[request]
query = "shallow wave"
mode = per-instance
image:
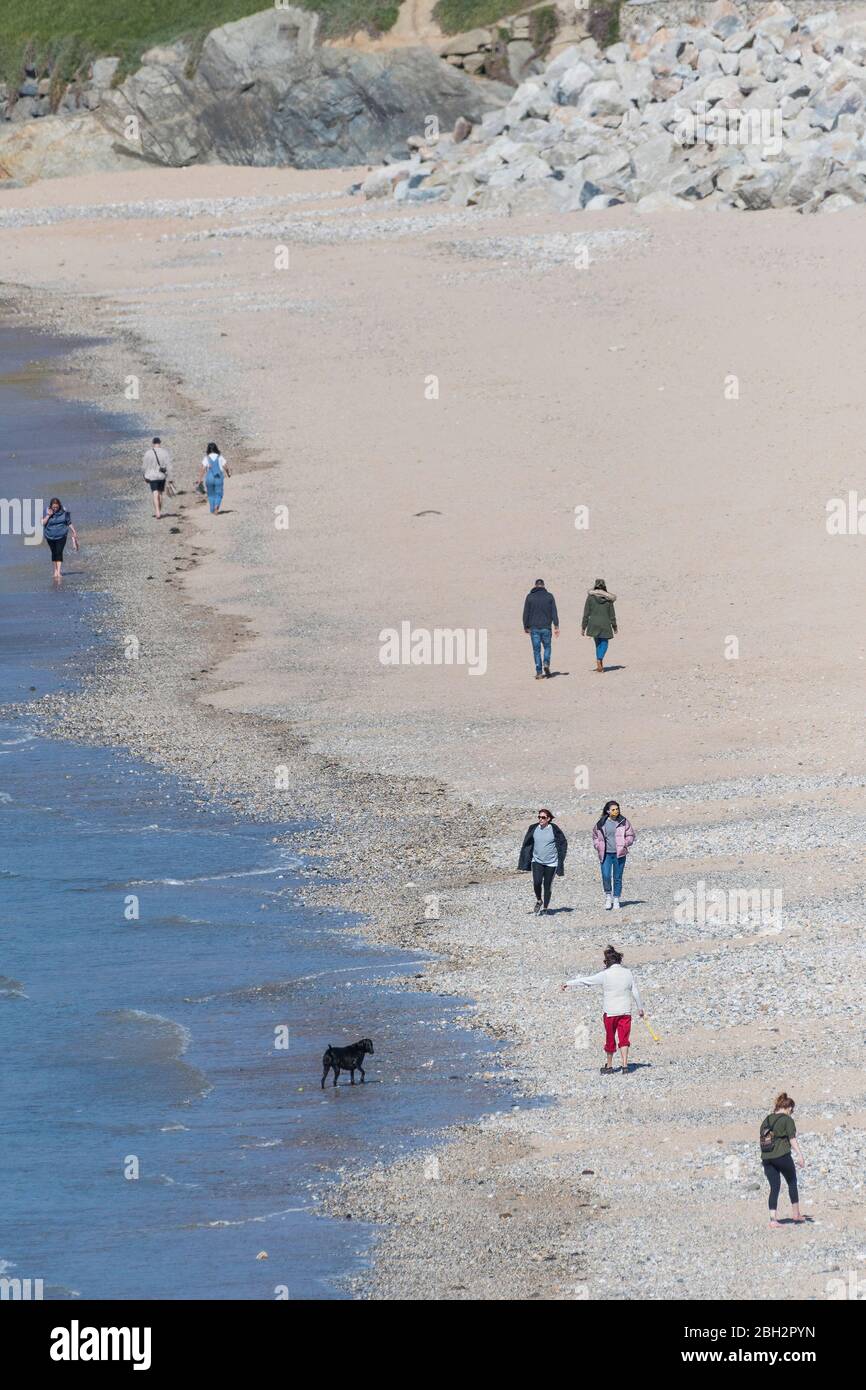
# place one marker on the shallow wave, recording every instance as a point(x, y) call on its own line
point(247, 1221)
point(168, 1039)
point(208, 878)
point(282, 989)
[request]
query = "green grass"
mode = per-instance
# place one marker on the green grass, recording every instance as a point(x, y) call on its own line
point(456, 16)
point(543, 26)
point(61, 36)
point(604, 22)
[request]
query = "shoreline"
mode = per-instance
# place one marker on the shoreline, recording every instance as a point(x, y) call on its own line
point(571, 1179)
point(97, 714)
point(94, 710)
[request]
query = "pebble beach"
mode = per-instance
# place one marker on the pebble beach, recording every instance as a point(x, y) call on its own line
point(258, 678)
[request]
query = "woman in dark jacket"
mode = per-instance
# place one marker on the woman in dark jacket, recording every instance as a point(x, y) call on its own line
point(56, 526)
point(543, 852)
point(599, 620)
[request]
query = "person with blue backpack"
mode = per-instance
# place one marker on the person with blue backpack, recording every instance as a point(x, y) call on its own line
point(212, 472)
point(56, 526)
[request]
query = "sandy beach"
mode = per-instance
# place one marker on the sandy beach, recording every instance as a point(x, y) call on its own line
point(416, 404)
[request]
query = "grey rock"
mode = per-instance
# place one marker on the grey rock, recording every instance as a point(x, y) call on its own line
point(653, 160)
point(837, 202)
point(262, 95)
point(757, 191)
point(827, 110)
point(520, 53)
point(603, 99)
point(726, 25)
point(474, 63)
point(740, 39)
point(578, 195)
point(247, 51)
point(25, 109)
point(470, 42)
point(462, 130)
point(662, 202)
point(103, 71)
point(572, 82)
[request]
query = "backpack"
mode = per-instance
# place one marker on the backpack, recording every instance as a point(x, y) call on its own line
point(767, 1136)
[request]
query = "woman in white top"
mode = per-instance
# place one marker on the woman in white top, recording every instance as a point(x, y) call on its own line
point(621, 995)
point(213, 469)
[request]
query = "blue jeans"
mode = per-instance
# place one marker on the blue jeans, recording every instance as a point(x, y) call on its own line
point(612, 865)
point(601, 647)
point(539, 636)
point(214, 491)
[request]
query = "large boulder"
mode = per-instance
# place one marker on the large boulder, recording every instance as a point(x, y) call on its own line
point(56, 147)
point(264, 93)
point(238, 55)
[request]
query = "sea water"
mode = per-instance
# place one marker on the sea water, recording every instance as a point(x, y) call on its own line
point(165, 999)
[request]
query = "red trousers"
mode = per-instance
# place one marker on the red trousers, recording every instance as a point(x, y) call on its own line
point(616, 1025)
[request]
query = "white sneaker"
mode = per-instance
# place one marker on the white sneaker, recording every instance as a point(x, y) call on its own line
point(608, 902)
point(616, 904)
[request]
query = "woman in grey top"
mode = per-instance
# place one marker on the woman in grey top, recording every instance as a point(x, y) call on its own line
point(543, 852)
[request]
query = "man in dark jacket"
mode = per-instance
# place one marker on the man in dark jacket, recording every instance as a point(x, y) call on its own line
point(539, 616)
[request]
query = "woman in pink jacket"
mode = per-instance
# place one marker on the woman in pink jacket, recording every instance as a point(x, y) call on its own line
point(612, 836)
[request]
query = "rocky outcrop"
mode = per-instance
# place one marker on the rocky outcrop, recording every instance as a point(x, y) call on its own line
point(262, 92)
point(503, 52)
point(517, 46)
point(55, 147)
point(722, 111)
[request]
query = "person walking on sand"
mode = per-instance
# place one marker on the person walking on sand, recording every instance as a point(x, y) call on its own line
point(613, 837)
point(777, 1138)
point(599, 620)
point(212, 471)
point(157, 472)
point(539, 616)
point(56, 526)
point(621, 996)
point(543, 852)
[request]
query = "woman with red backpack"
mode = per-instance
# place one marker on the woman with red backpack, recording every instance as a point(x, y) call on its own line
point(777, 1138)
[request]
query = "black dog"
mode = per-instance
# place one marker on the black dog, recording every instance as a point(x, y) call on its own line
point(346, 1059)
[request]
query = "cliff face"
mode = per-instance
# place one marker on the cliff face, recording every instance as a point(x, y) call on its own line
point(262, 92)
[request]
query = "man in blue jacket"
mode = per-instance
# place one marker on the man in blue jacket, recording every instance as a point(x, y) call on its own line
point(539, 616)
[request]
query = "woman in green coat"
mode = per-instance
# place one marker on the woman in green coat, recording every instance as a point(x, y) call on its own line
point(599, 619)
